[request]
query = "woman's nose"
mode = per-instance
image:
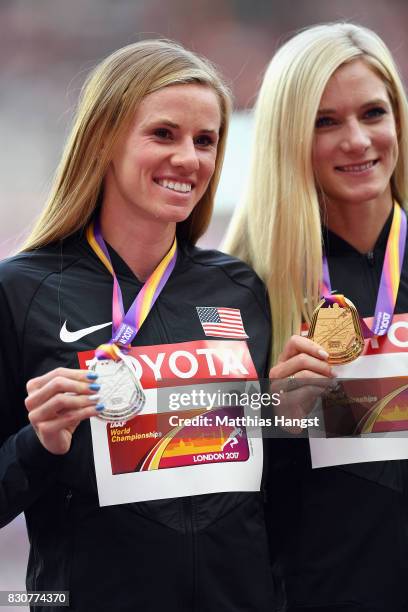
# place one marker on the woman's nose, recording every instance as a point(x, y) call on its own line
point(185, 156)
point(356, 138)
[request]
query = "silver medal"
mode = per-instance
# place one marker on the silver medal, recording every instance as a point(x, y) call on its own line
point(121, 391)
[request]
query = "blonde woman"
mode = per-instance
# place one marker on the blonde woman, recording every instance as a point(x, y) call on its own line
point(141, 516)
point(329, 175)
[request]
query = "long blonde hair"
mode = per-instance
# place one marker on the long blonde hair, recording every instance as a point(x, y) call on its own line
point(278, 228)
point(107, 105)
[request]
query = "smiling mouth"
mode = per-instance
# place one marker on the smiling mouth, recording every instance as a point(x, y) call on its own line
point(180, 187)
point(357, 168)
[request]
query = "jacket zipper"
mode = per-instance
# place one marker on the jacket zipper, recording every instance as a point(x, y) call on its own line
point(370, 258)
point(188, 507)
point(161, 325)
point(68, 498)
point(371, 275)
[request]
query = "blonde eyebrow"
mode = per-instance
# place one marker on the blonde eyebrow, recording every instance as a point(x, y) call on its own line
point(175, 126)
point(332, 111)
point(376, 101)
point(163, 122)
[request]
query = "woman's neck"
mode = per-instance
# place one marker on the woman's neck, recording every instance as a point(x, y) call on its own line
point(142, 244)
point(358, 224)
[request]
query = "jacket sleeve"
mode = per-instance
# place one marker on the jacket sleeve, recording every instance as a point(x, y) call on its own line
point(26, 467)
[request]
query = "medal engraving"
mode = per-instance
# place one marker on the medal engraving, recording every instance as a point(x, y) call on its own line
point(337, 329)
point(121, 391)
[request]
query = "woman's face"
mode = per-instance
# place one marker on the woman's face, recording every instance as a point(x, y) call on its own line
point(355, 147)
point(161, 168)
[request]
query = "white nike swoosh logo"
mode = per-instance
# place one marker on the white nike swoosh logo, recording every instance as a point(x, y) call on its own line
point(68, 336)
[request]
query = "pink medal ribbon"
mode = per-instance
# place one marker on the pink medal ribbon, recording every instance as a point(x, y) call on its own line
point(125, 326)
point(390, 278)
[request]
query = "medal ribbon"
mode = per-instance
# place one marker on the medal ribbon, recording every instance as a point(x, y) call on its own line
point(390, 277)
point(125, 326)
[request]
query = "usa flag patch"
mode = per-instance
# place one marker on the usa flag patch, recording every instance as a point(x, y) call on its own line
point(224, 322)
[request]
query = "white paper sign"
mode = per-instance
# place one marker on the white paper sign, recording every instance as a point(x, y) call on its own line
point(385, 357)
point(173, 447)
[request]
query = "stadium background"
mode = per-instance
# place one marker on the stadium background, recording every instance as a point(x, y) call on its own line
point(47, 48)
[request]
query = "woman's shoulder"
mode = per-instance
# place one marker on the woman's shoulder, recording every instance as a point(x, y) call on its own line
point(30, 268)
point(29, 264)
point(220, 271)
point(234, 268)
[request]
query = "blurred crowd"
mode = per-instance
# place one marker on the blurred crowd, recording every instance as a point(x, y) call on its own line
point(48, 46)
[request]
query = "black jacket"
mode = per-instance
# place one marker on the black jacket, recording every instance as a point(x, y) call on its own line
point(343, 530)
point(204, 553)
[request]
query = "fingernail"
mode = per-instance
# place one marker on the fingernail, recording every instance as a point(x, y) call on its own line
point(92, 376)
point(94, 387)
point(323, 354)
point(100, 407)
point(94, 398)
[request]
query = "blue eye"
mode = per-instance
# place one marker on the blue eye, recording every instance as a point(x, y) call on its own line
point(162, 133)
point(324, 121)
point(375, 112)
point(204, 140)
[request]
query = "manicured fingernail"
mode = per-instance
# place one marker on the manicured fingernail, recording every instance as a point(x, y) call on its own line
point(100, 407)
point(94, 387)
point(323, 354)
point(94, 398)
point(92, 376)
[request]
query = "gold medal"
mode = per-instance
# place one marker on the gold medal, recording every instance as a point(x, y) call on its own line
point(336, 327)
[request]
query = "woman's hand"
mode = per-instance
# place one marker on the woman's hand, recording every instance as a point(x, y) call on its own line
point(301, 375)
point(302, 358)
point(57, 402)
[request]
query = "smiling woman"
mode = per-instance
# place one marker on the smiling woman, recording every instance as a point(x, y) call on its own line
point(126, 511)
point(355, 149)
point(160, 169)
point(325, 213)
